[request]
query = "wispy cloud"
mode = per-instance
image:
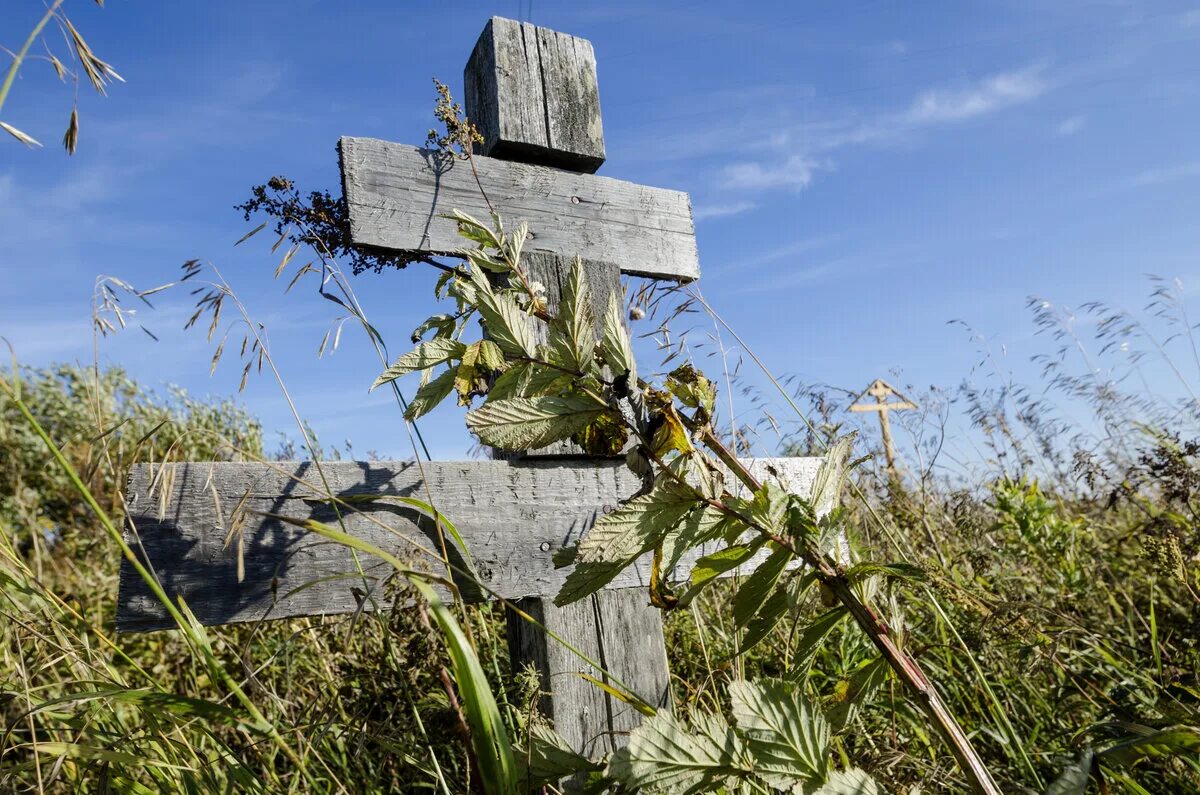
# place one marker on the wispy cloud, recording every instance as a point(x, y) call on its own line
point(1158, 176)
point(793, 155)
point(795, 172)
point(1070, 126)
point(708, 211)
point(988, 96)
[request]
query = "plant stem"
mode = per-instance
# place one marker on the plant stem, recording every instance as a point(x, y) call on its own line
point(15, 66)
point(905, 667)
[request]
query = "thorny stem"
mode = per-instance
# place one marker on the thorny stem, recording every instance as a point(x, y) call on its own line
point(904, 665)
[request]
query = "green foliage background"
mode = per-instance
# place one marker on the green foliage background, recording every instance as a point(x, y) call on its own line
point(1074, 604)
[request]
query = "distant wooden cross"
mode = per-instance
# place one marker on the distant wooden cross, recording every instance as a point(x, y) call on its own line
point(887, 399)
point(533, 93)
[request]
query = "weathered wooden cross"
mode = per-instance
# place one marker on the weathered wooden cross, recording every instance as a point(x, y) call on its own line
point(533, 94)
point(887, 399)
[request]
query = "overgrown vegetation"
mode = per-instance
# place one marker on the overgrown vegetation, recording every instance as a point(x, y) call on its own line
point(1049, 588)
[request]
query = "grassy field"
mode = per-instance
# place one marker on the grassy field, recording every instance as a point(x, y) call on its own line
point(1059, 616)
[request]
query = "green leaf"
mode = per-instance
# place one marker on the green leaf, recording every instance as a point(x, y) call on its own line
point(768, 616)
point(430, 395)
point(637, 526)
point(692, 388)
point(512, 382)
point(861, 686)
point(527, 423)
point(702, 525)
point(573, 332)
point(474, 230)
point(443, 323)
point(619, 538)
point(788, 739)
point(757, 587)
point(1173, 741)
point(814, 635)
point(767, 508)
point(665, 756)
point(426, 355)
point(615, 346)
point(831, 476)
point(507, 324)
point(547, 758)
point(895, 571)
point(849, 782)
point(711, 566)
point(773, 610)
point(1075, 776)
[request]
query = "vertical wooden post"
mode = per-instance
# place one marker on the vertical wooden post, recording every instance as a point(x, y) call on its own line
point(533, 94)
point(619, 629)
point(881, 390)
point(885, 430)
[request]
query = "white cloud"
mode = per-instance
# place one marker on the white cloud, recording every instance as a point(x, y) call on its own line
point(707, 211)
point(995, 93)
point(794, 171)
point(1070, 126)
point(1157, 176)
point(794, 150)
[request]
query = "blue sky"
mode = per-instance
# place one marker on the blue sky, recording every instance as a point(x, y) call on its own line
point(861, 173)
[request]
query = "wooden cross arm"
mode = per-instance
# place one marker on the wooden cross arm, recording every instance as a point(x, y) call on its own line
point(897, 405)
point(512, 517)
point(397, 195)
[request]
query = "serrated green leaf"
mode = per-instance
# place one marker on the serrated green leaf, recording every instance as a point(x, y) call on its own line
point(548, 758)
point(528, 423)
point(426, 355)
point(767, 508)
point(895, 571)
point(787, 737)
point(757, 587)
point(507, 324)
point(615, 346)
point(768, 616)
point(511, 383)
point(831, 476)
point(638, 526)
point(1173, 741)
point(430, 395)
point(443, 323)
point(860, 687)
point(490, 355)
point(848, 782)
point(573, 332)
point(713, 565)
point(813, 636)
point(700, 526)
point(665, 756)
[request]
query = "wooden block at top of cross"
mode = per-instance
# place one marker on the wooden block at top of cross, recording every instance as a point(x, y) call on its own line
point(532, 93)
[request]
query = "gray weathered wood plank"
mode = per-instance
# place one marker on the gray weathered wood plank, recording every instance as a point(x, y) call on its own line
point(533, 94)
point(512, 516)
point(396, 195)
point(618, 629)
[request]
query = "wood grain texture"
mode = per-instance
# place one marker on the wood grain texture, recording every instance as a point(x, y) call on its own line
point(512, 516)
point(396, 195)
point(533, 94)
point(616, 628)
point(619, 630)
